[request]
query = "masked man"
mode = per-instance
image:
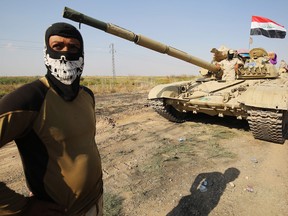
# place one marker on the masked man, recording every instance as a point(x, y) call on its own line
point(230, 66)
point(52, 121)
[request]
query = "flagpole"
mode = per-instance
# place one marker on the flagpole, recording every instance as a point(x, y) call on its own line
point(250, 38)
point(250, 41)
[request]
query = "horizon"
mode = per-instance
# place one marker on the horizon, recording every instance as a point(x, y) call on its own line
point(193, 27)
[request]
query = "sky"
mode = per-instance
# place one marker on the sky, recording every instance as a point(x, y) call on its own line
point(194, 27)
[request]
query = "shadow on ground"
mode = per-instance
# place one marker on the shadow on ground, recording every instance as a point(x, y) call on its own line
point(206, 192)
point(227, 121)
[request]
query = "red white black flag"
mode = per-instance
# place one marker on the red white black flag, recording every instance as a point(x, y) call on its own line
point(267, 28)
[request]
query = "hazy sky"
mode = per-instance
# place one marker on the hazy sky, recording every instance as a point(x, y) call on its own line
point(192, 26)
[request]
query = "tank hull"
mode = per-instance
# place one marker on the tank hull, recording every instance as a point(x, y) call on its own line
point(263, 103)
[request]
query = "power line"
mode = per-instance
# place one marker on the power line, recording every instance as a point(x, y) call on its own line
point(22, 41)
point(19, 44)
point(17, 47)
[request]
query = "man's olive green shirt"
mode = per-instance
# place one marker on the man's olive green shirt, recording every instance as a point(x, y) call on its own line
point(56, 141)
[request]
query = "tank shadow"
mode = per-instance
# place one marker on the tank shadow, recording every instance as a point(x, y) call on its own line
point(206, 192)
point(227, 121)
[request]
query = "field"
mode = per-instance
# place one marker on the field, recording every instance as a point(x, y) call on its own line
point(100, 85)
point(153, 167)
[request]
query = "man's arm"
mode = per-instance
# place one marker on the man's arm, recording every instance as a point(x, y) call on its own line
point(19, 109)
point(11, 203)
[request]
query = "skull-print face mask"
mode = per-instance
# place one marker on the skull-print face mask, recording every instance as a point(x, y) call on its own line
point(64, 70)
point(64, 66)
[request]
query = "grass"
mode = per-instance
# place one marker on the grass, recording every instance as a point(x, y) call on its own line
point(9, 84)
point(101, 84)
point(174, 150)
point(214, 148)
point(112, 204)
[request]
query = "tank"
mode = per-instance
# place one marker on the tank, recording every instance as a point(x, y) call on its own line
point(258, 94)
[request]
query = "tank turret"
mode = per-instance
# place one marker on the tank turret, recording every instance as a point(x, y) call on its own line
point(258, 65)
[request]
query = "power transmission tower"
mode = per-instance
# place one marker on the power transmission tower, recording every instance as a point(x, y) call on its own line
point(113, 59)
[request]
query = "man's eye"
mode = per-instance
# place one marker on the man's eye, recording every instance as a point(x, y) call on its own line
point(57, 47)
point(73, 48)
point(66, 47)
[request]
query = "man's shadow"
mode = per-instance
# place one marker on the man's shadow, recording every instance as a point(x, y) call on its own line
point(203, 200)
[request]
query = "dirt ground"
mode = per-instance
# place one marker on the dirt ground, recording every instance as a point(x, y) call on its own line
point(156, 167)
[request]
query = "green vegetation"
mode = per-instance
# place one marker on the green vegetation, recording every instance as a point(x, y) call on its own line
point(188, 148)
point(214, 148)
point(101, 84)
point(8, 84)
point(112, 204)
point(16, 80)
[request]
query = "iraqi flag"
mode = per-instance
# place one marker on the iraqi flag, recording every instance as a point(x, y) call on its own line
point(267, 28)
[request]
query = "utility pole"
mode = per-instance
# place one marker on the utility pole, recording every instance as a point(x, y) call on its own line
point(113, 59)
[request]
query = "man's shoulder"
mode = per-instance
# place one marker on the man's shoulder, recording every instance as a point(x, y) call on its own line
point(32, 90)
point(89, 91)
point(225, 62)
point(27, 97)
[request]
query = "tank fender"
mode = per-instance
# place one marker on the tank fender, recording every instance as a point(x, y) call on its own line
point(269, 97)
point(166, 90)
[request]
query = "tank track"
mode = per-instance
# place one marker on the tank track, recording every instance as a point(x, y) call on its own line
point(167, 111)
point(268, 125)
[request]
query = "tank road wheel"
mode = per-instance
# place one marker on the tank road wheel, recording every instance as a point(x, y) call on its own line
point(268, 125)
point(167, 111)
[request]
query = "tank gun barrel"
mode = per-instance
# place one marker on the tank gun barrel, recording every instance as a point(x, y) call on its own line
point(136, 38)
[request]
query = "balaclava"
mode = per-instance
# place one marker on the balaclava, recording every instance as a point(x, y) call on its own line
point(230, 54)
point(64, 68)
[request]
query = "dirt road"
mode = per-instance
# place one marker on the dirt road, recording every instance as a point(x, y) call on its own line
point(156, 167)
